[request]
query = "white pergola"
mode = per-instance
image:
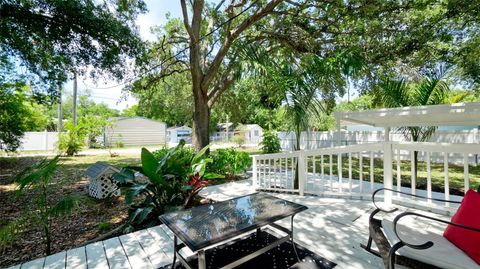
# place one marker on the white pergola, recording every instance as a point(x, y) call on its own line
point(463, 114)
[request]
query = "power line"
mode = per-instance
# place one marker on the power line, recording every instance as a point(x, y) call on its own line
point(182, 50)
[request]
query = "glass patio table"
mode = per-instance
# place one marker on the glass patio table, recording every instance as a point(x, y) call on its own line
point(202, 227)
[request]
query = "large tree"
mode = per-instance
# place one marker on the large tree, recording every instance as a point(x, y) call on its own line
point(384, 34)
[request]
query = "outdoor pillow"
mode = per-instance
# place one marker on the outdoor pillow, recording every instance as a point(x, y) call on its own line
point(468, 214)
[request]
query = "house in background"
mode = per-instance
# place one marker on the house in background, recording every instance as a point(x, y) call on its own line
point(176, 133)
point(251, 133)
point(135, 131)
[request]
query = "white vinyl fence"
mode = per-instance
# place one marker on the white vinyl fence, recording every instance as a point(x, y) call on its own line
point(39, 141)
point(319, 140)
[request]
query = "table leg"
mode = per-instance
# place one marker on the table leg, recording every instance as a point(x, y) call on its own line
point(174, 251)
point(202, 263)
point(293, 243)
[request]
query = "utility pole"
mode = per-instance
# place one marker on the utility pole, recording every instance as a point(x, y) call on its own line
point(60, 112)
point(74, 98)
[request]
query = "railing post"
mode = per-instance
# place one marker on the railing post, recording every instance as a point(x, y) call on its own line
point(302, 175)
point(387, 171)
point(254, 172)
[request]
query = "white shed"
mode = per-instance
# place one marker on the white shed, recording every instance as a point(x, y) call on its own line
point(135, 131)
point(253, 133)
point(176, 133)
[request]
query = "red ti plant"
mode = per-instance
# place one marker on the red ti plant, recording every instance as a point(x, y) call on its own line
point(198, 176)
point(195, 185)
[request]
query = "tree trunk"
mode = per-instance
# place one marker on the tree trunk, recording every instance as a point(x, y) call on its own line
point(201, 120)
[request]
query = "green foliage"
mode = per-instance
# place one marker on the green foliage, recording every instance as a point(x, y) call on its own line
point(119, 144)
point(400, 93)
point(73, 140)
point(104, 226)
point(229, 162)
point(36, 181)
point(164, 185)
point(13, 115)
point(270, 142)
point(18, 112)
point(53, 38)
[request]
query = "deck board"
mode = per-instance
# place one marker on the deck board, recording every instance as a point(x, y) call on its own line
point(35, 264)
point(76, 258)
point(158, 234)
point(135, 253)
point(96, 258)
point(56, 261)
point(117, 259)
point(152, 248)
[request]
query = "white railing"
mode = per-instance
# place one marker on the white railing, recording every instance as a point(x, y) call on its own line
point(350, 170)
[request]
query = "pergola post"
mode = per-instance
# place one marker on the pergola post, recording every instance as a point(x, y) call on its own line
point(387, 167)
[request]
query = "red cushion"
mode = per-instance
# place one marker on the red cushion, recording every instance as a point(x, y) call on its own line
point(468, 214)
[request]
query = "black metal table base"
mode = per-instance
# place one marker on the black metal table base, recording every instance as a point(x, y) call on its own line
point(283, 256)
point(202, 262)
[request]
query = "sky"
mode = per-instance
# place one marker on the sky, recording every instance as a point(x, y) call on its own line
point(156, 15)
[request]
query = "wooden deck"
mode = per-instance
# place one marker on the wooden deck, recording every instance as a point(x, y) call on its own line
point(149, 248)
point(332, 228)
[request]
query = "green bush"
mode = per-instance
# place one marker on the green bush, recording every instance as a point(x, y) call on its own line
point(172, 179)
point(270, 142)
point(229, 162)
point(73, 140)
point(120, 144)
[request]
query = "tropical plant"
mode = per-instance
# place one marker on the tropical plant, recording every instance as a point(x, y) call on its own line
point(399, 93)
point(36, 183)
point(229, 162)
point(164, 185)
point(270, 142)
point(73, 140)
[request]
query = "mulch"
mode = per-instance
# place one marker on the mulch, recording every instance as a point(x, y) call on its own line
point(68, 232)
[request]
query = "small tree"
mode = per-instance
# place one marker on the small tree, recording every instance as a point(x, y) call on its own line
point(36, 183)
point(73, 140)
point(270, 142)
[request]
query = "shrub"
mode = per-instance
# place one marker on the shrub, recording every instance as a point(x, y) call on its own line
point(73, 140)
point(270, 142)
point(172, 179)
point(120, 144)
point(229, 162)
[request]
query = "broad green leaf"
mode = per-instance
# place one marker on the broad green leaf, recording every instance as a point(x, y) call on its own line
point(150, 166)
point(200, 154)
point(124, 176)
point(140, 214)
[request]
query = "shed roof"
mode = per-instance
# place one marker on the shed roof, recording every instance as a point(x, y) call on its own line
point(434, 115)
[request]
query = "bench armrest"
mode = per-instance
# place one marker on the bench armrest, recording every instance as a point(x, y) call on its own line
point(404, 193)
point(427, 244)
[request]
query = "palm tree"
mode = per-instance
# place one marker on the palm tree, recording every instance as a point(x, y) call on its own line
point(308, 84)
point(398, 93)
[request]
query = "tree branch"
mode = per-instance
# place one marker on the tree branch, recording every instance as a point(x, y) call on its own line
point(217, 61)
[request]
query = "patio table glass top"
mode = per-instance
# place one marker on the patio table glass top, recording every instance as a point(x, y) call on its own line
point(202, 226)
